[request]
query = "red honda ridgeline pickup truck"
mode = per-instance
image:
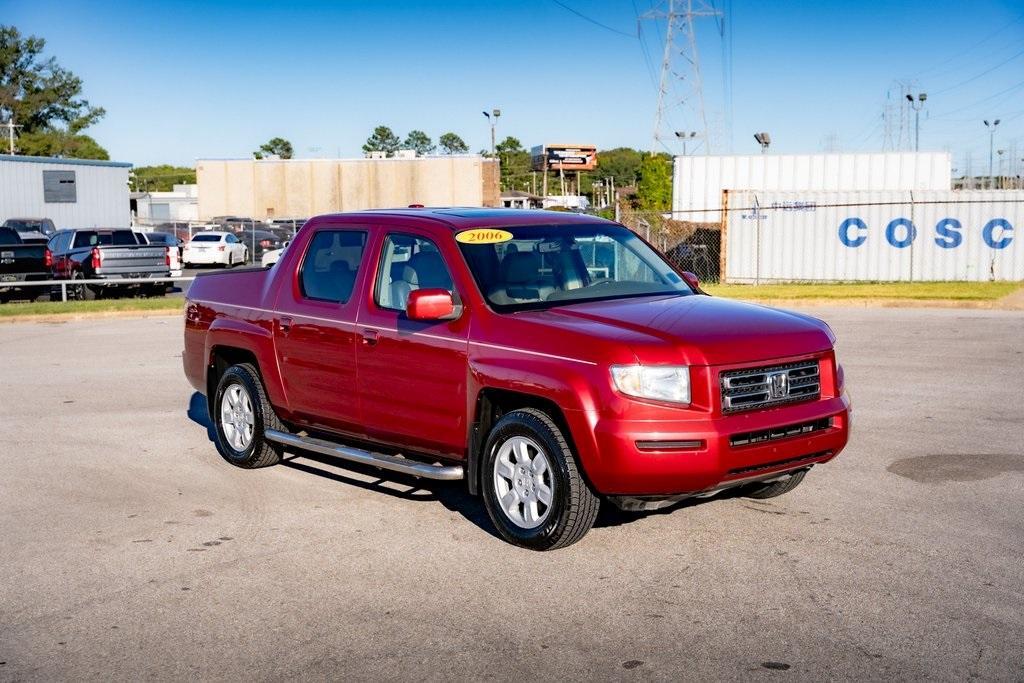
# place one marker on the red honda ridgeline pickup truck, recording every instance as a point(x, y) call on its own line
point(550, 360)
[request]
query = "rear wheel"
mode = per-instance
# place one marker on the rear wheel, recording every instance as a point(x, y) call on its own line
point(533, 488)
point(775, 488)
point(241, 414)
point(80, 292)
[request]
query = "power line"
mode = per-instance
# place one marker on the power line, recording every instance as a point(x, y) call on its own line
point(981, 101)
point(595, 22)
point(977, 76)
point(971, 48)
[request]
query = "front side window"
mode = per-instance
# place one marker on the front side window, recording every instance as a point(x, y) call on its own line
point(330, 266)
point(408, 263)
point(551, 265)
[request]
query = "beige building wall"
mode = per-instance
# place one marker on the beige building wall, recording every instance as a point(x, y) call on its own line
point(300, 188)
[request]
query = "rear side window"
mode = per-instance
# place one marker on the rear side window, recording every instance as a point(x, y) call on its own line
point(331, 264)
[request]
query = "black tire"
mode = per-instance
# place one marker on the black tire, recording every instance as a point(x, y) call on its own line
point(775, 488)
point(573, 506)
point(80, 292)
point(259, 452)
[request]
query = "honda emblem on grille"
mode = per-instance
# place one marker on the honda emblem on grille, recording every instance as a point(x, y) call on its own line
point(778, 384)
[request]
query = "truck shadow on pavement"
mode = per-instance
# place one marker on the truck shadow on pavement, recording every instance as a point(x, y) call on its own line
point(452, 495)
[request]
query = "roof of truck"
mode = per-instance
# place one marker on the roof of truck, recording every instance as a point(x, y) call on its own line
point(462, 217)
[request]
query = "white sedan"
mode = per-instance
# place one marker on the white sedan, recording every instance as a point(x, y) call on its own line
point(214, 247)
point(271, 257)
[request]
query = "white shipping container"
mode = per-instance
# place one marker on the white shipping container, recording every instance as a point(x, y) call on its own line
point(698, 181)
point(874, 236)
point(73, 193)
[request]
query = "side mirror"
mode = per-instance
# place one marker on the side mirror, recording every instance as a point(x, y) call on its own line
point(691, 280)
point(430, 304)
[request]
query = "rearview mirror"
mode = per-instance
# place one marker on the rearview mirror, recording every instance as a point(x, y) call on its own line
point(431, 304)
point(692, 281)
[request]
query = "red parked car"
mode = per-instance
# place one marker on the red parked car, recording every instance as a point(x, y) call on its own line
point(552, 361)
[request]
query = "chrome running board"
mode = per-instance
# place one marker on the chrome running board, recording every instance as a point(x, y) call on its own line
point(387, 462)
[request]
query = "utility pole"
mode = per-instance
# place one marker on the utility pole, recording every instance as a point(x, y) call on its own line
point(681, 61)
point(493, 116)
point(917, 105)
point(1001, 152)
point(10, 134)
point(991, 146)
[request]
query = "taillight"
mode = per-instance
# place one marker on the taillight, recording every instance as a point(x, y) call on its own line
point(167, 256)
point(221, 248)
point(265, 243)
point(97, 257)
point(48, 258)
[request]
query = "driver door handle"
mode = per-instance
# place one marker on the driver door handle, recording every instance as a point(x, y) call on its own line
point(286, 324)
point(370, 337)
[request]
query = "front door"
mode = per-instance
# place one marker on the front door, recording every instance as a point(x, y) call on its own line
point(314, 330)
point(412, 374)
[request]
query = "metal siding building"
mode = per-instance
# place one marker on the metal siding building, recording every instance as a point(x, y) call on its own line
point(73, 193)
point(873, 236)
point(698, 181)
point(272, 188)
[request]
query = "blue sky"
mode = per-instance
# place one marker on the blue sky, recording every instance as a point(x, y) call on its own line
point(187, 80)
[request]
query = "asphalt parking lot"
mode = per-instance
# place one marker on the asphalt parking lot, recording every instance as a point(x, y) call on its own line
point(131, 550)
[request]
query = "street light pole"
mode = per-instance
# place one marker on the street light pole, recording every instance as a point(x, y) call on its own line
point(684, 136)
point(991, 147)
point(764, 140)
point(917, 106)
point(492, 116)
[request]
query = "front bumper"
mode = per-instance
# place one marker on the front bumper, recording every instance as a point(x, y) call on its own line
point(661, 458)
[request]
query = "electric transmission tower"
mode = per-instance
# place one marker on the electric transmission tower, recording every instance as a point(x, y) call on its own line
point(680, 89)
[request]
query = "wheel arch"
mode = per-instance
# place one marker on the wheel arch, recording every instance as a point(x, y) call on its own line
point(491, 404)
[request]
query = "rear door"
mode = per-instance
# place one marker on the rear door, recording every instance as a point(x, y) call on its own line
point(314, 329)
point(412, 374)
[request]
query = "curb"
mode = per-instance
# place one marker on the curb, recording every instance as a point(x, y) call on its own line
point(94, 315)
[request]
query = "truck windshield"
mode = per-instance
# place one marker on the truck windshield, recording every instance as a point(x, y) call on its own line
point(28, 225)
point(551, 265)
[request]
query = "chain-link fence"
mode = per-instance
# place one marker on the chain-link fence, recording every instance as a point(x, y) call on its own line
point(689, 246)
point(258, 236)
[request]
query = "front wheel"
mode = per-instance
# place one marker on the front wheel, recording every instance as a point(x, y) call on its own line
point(533, 488)
point(775, 488)
point(241, 413)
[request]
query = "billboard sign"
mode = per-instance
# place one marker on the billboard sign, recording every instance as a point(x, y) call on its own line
point(564, 157)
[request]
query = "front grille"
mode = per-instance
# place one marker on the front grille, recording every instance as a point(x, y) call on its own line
point(754, 388)
point(783, 432)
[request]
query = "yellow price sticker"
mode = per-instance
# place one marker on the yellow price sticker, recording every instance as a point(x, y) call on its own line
point(483, 236)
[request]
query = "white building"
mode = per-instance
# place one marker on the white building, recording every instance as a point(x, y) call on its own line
point(181, 204)
point(698, 181)
point(73, 193)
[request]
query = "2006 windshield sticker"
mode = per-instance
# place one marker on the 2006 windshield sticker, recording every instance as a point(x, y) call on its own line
point(483, 236)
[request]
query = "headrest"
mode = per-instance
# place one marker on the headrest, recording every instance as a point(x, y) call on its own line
point(521, 266)
point(427, 270)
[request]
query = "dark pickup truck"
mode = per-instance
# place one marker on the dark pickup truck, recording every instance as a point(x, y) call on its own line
point(21, 261)
point(111, 255)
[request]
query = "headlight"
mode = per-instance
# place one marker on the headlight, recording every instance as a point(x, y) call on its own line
point(657, 382)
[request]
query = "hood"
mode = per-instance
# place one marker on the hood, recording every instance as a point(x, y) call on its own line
point(704, 329)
